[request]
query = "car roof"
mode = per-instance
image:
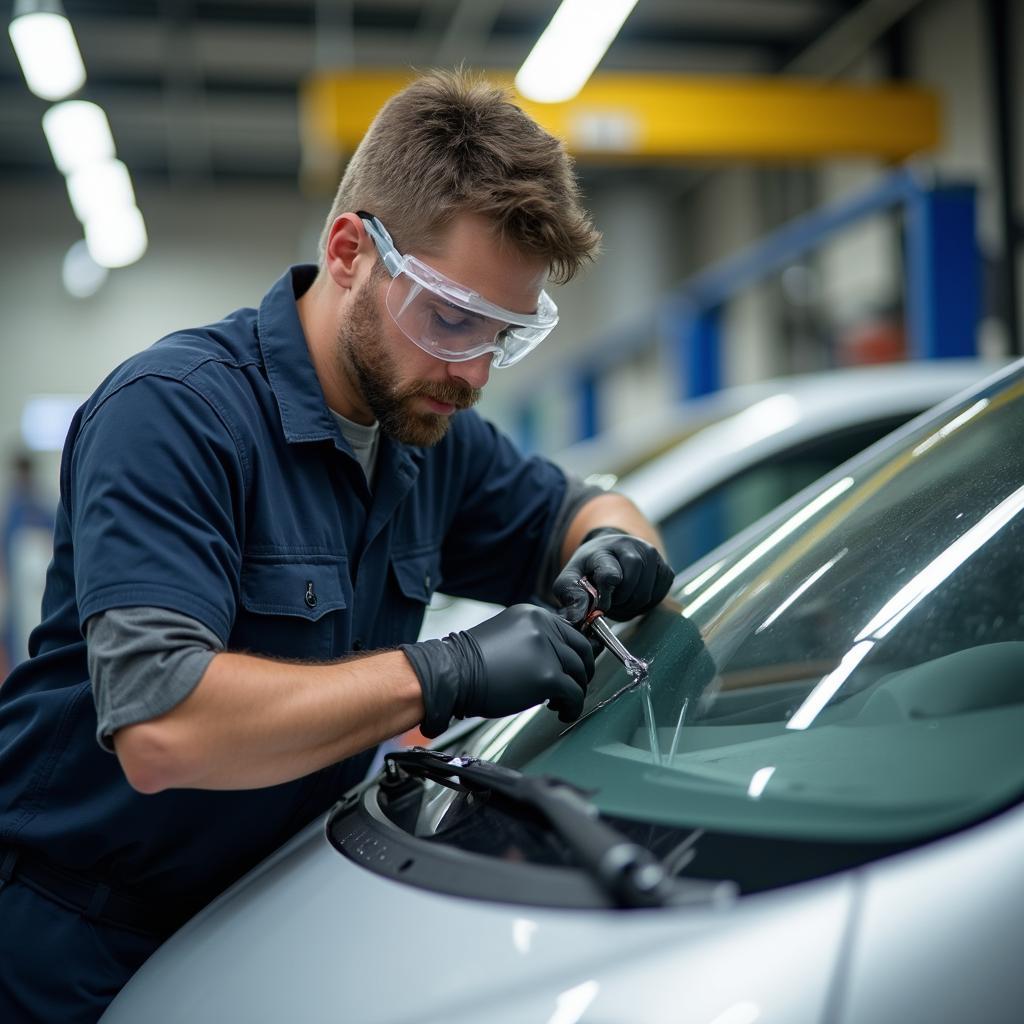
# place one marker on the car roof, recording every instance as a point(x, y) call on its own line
point(827, 400)
point(760, 421)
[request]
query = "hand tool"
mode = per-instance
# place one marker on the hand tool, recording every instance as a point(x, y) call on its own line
point(594, 622)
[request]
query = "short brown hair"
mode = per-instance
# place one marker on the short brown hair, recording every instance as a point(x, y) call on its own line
point(452, 143)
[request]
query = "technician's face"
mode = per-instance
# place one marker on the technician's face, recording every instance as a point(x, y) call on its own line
point(412, 393)
point(410, 408)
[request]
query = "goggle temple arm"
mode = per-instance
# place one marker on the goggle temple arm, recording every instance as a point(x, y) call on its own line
point(389, 255)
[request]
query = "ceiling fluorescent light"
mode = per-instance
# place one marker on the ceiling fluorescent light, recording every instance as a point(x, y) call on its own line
point(78, 134)
point(99, 187)
point(45, 44)
point(81, 274)
point(116, 237)
point(570, 48)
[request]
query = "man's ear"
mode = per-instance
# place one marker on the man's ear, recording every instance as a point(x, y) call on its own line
point(348, 249)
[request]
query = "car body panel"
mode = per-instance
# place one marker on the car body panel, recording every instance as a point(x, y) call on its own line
point(940, 932)
point(309, 936)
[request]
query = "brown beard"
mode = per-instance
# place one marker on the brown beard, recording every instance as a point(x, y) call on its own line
point(362, 347)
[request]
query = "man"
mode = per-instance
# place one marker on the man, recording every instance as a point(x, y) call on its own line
point(249, 509)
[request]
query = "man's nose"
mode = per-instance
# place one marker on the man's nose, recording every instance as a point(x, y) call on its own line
point(475, 372)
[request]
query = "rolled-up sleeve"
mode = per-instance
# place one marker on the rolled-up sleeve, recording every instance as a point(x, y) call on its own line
point(142, 663)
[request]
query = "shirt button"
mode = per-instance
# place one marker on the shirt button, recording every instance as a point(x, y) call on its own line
point(357, 645)
point(310, 595)
point(426, 581)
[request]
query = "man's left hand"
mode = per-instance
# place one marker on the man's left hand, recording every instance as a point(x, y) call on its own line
point(629, 574)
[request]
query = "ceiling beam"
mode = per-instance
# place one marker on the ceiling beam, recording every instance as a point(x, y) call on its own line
point(658, 117)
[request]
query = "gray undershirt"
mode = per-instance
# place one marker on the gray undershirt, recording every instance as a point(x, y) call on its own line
point(144, 661)
point(364, 441)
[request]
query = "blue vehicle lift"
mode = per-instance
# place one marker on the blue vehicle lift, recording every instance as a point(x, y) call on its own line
point(942, 288)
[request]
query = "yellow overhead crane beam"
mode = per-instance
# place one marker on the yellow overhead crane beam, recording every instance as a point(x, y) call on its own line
point(658, 117)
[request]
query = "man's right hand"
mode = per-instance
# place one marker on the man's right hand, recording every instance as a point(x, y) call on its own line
point(519, 658)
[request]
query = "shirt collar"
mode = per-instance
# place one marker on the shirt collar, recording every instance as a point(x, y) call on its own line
point(293, 380)
point(300, 398)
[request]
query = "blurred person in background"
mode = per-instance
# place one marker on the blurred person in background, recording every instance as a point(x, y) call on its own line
point(253, 517)
point(25, 549)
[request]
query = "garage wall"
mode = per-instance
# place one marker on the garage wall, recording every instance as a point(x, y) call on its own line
point(858, 276)
point(644, 252)
point(728, 215)
point(53, 343)
point(946, 50)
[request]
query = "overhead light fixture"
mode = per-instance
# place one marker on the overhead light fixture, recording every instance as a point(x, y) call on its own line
point(116, 238)
point(82, 275)
point(79, 134)
point(99, 187)
point(47, 51)
point(569, 49)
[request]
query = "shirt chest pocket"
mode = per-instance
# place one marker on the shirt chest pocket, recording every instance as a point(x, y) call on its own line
point(412, 581)
point(293, 609)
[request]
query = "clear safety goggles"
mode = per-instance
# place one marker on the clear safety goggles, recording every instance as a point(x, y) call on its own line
point(448, 320)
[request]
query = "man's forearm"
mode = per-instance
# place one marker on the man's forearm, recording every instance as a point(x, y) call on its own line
point(609, 510)
point(254, 722)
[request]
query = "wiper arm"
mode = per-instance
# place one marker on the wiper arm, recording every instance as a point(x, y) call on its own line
point(630, 874)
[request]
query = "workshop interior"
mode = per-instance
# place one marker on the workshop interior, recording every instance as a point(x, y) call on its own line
point(795, 791)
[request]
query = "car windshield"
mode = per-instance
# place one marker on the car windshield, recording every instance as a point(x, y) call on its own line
point(852, 670)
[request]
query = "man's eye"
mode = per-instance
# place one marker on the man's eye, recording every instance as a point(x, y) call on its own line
point(448, 322)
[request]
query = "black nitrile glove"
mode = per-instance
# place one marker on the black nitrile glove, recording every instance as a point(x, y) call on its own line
point(630, 575)
point(523, 656)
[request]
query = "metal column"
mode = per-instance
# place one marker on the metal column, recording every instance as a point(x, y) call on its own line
point(943, 273)
point(695, 334)
point(1000, 44)
point(587, 405)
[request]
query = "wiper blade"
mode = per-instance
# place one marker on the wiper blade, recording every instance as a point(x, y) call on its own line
point(629, 873)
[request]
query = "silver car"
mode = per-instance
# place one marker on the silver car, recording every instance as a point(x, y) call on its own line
point(810, 811)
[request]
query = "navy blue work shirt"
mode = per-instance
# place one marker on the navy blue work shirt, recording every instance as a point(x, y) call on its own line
point(206, 475)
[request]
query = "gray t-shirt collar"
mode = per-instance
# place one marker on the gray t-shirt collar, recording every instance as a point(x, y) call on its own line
point(364, 441)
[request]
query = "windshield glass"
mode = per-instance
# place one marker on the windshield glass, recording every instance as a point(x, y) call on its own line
point(852, 671)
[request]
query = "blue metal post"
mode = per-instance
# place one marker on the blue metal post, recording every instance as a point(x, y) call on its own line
point(695, 334)
point(586, 392)
point(943, 272)
point(526, 427)
point(705, 370)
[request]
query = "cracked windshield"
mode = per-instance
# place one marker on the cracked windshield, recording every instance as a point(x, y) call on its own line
point(852, 672)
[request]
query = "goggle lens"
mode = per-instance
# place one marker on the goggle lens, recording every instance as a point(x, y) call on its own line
point(449, 321)
point(452, 333)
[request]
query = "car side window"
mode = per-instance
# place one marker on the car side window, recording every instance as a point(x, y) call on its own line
point(701, 525)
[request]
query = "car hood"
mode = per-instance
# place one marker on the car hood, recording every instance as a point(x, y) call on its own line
point(311, 937)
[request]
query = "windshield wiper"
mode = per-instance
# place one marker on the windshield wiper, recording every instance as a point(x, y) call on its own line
point(630, 874)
